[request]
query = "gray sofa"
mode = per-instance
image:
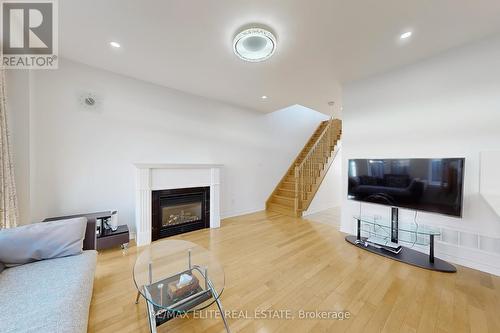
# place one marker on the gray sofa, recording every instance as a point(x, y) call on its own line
point(48, 296)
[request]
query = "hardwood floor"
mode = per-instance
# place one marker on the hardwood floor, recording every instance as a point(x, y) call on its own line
point(329, 216)
point(275, 262)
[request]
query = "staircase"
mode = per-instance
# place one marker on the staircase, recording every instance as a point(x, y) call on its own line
point(297, 188)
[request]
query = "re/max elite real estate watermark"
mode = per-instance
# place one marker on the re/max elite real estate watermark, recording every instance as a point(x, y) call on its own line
point(29, 32)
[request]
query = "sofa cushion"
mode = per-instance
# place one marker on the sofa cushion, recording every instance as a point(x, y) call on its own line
point(399, 181)
point(368, 180)
point(40, 241)
point(48, 296)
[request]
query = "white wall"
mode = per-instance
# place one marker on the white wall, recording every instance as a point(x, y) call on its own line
point(83, 159)
point(329, 194)
point(18, 118)
point(489, 176)
point(447, 106)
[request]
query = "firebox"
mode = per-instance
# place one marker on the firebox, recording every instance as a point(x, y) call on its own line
point(179, 210)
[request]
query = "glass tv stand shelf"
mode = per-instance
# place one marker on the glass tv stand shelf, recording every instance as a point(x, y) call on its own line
point(403, 233)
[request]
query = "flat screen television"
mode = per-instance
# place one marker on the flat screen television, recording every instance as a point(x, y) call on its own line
point(425, 184)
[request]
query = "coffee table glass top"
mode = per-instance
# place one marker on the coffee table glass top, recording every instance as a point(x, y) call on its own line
point(178, 276)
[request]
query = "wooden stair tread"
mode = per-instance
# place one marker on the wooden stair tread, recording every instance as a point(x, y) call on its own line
point(281, 209)
point(284, 201)
point(284, 197)
point(289, 193)
point(279, 206)
point(281, 197)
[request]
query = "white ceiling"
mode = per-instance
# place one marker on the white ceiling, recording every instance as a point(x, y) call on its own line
point(186, 44)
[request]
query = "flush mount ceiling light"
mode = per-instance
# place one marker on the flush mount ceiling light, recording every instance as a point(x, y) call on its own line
point(406, 35)
point(115, 44)
point(254, 44)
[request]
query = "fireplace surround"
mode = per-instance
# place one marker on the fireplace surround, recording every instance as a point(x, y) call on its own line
point(177, 211)
point(162, 176)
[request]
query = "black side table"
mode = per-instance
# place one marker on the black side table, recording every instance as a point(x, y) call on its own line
point(109, 238)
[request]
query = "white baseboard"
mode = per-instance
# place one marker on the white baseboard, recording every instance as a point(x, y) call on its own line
point(319, 209)
point(469, 257)
point(225, 215)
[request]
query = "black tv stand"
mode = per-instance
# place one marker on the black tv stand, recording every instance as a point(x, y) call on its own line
point(394, 224)
point(406, 255)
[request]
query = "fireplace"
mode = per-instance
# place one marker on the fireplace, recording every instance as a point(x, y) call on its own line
point(179, 210)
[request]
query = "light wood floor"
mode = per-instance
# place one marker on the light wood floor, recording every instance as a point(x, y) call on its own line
point(329, 216)
point(283, 263)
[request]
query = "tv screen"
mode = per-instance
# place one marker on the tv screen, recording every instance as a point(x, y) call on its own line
point(425, 184)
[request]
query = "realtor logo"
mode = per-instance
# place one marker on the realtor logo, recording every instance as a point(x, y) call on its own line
point(29, 34)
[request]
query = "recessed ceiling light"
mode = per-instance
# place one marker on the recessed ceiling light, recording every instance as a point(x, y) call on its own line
point(254, 44)
point(406, 35)
point(115, 44)
point(263, 97)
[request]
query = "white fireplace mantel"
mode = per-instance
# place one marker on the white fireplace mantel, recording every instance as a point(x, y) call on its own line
point(160, 176)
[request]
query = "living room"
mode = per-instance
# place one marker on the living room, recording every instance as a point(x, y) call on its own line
point(250, 166)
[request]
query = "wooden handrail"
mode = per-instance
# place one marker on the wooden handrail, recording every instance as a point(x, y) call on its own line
point(327, 127)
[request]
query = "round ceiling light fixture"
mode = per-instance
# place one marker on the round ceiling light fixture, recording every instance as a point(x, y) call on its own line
point(254, 44)
point(406, 35)
point(114, 44)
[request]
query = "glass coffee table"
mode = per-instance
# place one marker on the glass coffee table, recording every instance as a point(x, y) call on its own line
point(177, 277)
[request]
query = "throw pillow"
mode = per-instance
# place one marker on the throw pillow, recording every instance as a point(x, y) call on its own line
point(38, 241)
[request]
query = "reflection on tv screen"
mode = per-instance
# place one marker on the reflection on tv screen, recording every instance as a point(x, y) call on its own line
point(432, 185)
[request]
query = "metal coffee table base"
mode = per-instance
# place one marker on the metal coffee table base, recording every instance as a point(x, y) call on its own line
point(152, 314)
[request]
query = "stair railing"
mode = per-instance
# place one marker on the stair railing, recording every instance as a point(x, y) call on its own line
point(309, 169)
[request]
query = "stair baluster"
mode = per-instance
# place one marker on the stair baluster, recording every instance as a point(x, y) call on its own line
point(307, 171)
